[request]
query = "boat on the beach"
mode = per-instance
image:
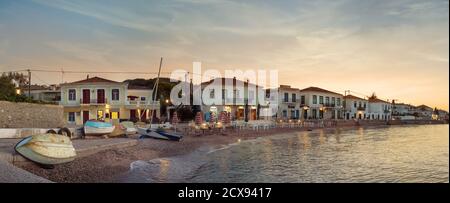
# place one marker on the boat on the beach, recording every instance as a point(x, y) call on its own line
point(98, 128)
point(47, 149)
point(159, 134)
point(129, 126)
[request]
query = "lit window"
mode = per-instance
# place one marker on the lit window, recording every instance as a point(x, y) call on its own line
point(114, 115)
point(99, 115)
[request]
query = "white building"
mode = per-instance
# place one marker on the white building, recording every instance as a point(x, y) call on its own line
point(319, 103)
point(355, 108)
point(379, 109)
point(402, 109)
point(239, 98)
point(288, 103)
point(423, 112)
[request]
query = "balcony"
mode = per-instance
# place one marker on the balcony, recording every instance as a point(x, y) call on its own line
point(329, 105)
point(140, 103)
point(93, 101)
point(361, 108)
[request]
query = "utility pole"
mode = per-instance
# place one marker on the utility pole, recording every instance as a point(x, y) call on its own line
point(29, 83)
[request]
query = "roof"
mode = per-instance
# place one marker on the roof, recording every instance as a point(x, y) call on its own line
point(317, 89)
point(376, 100)
point(94, 80)
point(353, 97)
point(40, 87)
point(288, 87)
point(233, 80)
point(423, 107)
point(136, 87)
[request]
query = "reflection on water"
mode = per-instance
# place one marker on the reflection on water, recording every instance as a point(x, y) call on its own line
point(391, 154)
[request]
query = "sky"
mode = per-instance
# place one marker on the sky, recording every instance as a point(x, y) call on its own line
point(397, 49)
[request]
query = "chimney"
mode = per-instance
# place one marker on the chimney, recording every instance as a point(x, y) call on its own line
point(87, 77)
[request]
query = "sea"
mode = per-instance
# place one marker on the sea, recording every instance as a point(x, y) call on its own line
point(404, 154)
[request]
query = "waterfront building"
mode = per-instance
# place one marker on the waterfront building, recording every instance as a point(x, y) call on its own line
point(236, 97)
point(288, 103)
point(423, 112)
point(318, 103)
point(45, 93)
point(356, 108)
point(379, 109)
point(101, 99)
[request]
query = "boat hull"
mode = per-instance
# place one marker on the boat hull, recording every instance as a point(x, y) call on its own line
point(146, 133)
point(47, 149)
point(89, 130)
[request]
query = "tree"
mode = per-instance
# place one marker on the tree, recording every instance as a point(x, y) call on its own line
point(7, 88)
point(373, 96)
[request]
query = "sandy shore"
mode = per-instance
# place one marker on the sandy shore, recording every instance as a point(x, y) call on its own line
point(106, 166)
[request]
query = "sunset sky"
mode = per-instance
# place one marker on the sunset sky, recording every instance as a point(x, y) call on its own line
point(398, 49)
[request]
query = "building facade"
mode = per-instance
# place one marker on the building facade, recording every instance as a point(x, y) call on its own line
point(288, 103)
point(317, 103)
point(239, 98)
point(379, 109)
point(355, 108)
point(101, 99)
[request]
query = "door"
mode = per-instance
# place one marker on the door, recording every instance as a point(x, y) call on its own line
point(86, 96)
point(133, 114)
point(100, 96)
point(85, 116)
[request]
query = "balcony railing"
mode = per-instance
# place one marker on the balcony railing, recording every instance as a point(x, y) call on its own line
point(93, 101)
point(140, 102)
point(361, 108)
point(329, 105)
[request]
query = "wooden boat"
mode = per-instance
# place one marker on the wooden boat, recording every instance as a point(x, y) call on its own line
point(159, 134)
point(47, 149)
point(98, 128)
point(129, 127)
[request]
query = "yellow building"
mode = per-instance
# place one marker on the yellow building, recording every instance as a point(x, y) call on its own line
point(101, 99)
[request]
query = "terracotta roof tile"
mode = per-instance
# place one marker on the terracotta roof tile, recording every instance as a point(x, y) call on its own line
point(317, 89)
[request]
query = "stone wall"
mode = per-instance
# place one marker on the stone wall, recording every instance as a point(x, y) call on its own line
point(27, 115)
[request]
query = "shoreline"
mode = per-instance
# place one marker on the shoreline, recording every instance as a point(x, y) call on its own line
point(109, 165)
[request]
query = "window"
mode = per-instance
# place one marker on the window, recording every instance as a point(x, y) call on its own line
point(338, 101)
point(333, 100)
point(211, 94)
point(100, 115)
point(314, 99)
point(72, 95)
point(71, 117)
point(294, 98)
point(321, 100)
point(142, 98)
point(354, 104)
point(314, 113)
point(115, 95)
point(327, 100)
point(364, 104)
point(224, 92)
point(360, 104)
point(284, 114)
point(286, 97)
point(114, 115)
point(302, 99)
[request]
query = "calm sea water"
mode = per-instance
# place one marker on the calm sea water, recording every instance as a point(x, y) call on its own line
point(392, 154)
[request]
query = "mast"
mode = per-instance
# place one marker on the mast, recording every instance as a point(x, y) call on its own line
point(155, 90)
